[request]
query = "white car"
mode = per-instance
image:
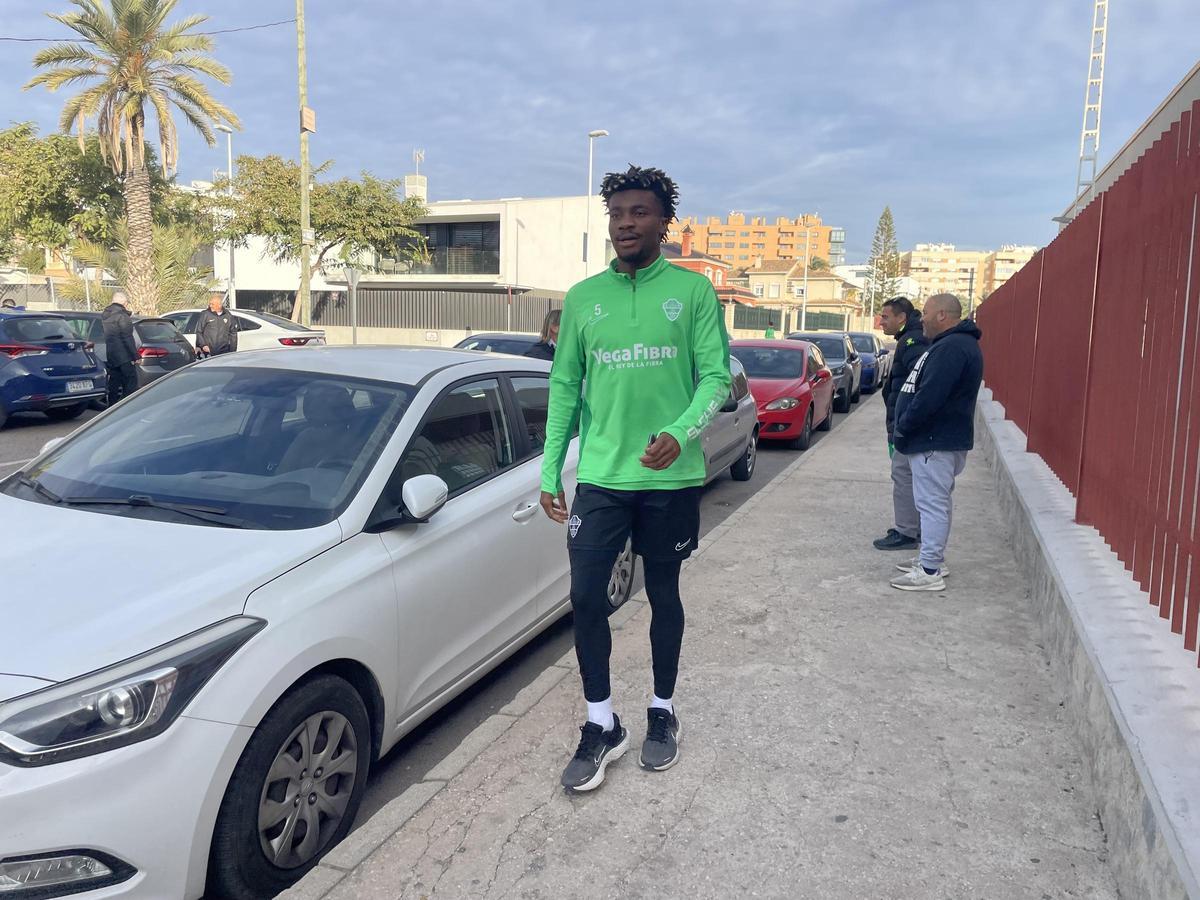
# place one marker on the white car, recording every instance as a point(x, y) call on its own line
point(256, 330)
point(287, 561)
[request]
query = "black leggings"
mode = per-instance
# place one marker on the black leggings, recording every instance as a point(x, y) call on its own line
point(590, 574)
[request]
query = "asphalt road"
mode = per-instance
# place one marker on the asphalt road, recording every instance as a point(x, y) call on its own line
point(426, 746)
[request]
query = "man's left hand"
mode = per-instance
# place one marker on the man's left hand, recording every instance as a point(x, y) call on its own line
point(664, 451)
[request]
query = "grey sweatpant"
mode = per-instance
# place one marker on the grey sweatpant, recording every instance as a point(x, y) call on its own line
point(933, 475)
point(907, 521)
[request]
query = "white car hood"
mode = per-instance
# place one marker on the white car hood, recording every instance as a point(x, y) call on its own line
point(81, 590)
point(16, 685)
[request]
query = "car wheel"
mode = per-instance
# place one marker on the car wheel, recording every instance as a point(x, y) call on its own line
point(66, 413)
point(842, 404)
point(294, 793)
point(827, 422)
point(804, 441)
point(99, 404)
point(743, 469)
point(3, 416)
point(620, 583)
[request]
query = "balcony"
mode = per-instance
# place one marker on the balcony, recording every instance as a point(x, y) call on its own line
point(445, 261)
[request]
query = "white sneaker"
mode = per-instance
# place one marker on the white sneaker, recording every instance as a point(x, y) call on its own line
point(915, 563)
point(919, 580)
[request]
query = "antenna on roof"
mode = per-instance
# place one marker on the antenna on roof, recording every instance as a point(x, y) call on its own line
point(418, 158)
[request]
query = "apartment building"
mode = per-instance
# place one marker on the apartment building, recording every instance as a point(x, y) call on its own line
point(1001, 265)
point(742, 239)
point(942, 268)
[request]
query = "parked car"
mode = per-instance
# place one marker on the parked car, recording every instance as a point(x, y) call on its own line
point(256, 330)
point(222, 725)
point(792, 386)
point(46, 367)
point(499, 342)
point(843, 361)
point(731, 438)
point(162, 348)
point(876, 359)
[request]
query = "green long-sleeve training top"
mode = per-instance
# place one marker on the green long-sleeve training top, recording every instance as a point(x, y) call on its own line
point(635, 357)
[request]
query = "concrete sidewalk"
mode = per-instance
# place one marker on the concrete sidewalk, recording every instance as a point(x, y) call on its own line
point(841, 738)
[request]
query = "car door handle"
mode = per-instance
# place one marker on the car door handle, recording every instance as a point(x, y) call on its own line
point(525, 513)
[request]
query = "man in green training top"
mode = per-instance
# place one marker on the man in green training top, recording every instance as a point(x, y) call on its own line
point(642, 365)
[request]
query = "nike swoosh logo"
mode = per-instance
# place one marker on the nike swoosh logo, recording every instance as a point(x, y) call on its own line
point(679, 547)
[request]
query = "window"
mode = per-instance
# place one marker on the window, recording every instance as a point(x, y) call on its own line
point(739, 387)
point(743, 234)
point(708, 272)
point(720, 276)
point(743, 256)
point(760, 246)
point(533, 396)
point(816, 362)
point(773, 291)
point(31, 329)
point(743, 246)
point(464, 440)
point(798, 291)
point(244, 324)
point(758, 290)
point(88, 328)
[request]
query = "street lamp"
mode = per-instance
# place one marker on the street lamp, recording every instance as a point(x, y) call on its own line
point(587, 234)
point(807, 260)
point(229, 159)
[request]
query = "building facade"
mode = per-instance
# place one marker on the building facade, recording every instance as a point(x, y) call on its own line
point(1001, 265)
point(942, 268)
point(740, 240)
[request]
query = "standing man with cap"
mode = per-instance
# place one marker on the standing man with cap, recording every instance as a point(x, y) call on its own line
point(120, 348)
point(935, 428)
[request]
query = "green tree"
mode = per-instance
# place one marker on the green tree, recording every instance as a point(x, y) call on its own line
point(884, 278)
point(130, 59)
point(51, 194)
point(180, 284)
point(350, 215)
point(818, 264)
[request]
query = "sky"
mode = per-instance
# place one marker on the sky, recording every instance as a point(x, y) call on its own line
point(962, 116)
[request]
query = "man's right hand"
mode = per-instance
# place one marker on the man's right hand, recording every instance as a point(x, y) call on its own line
point(206, 349)
point(555, 506)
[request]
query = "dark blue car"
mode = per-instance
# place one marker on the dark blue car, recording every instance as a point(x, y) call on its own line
point(875, 362)
point(46, 367)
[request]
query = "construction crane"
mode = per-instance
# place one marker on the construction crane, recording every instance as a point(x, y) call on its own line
point(1089, 138)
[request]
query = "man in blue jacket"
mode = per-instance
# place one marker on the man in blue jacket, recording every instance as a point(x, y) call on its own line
point(934, 429)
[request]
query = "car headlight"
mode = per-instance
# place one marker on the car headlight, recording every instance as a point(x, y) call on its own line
point(129, 702)
point(784, 403)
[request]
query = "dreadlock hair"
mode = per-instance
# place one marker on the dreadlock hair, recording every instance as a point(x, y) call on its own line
point(635, 178)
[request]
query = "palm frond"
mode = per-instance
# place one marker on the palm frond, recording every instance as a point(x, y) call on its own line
point(68, 52)
point(65, 75)
point(205, 65)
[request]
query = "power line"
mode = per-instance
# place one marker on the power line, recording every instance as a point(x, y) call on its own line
point(39, 40)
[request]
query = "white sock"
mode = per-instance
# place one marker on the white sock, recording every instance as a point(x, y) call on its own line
point(601, 713)
point(657, 702)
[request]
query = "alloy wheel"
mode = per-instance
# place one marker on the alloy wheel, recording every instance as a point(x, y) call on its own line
point(308, 789)
point(751, 455)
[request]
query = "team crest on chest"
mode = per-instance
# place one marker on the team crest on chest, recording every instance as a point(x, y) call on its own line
point(672, 308)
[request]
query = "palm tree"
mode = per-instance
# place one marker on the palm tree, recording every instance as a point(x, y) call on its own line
point(130, 58)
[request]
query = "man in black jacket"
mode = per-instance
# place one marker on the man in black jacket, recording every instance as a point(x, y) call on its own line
point(935, 427)
point(216, 330)
point(902, 321)
point(120, 348)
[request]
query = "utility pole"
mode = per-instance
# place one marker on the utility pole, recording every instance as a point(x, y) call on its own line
point(971, 294)
point(306, 120)
point(804, 302)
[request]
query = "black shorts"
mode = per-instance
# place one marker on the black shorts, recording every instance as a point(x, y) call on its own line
point(664, 525)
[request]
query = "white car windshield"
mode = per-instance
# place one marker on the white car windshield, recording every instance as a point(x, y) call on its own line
point(249, 447)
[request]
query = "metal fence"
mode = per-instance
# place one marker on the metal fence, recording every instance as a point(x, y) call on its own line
point(1093, 348)
point(432, 310)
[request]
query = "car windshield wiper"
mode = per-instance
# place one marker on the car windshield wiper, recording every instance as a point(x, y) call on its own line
point(211, 514)
point(30, 482)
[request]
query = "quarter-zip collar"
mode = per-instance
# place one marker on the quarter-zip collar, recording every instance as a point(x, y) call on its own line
point(653, 270)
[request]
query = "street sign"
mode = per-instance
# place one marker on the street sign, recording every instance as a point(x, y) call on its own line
point(308, 119)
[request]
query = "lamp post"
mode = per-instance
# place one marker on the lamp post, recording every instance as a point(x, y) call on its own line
point(587, 234)
point(804, 302)
point(229, 161)
point(307, 124)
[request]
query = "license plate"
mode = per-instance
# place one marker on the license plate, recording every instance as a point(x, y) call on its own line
point(75, 387)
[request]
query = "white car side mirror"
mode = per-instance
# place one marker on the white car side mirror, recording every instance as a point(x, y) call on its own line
point(50, 445)
point(423, 496)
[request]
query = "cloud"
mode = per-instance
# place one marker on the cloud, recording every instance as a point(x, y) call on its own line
point(963, 116)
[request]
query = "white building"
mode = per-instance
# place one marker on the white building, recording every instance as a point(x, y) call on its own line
point(513, 244)
point(857, 275)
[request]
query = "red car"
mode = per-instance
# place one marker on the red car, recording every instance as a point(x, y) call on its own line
point(792, 388)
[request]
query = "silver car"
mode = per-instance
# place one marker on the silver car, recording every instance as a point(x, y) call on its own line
point(731, 438)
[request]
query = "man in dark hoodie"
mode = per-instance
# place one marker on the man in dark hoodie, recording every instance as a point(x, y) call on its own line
point(120, 348)
point(935, 427)
point(901, 320)
point(216, 329)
